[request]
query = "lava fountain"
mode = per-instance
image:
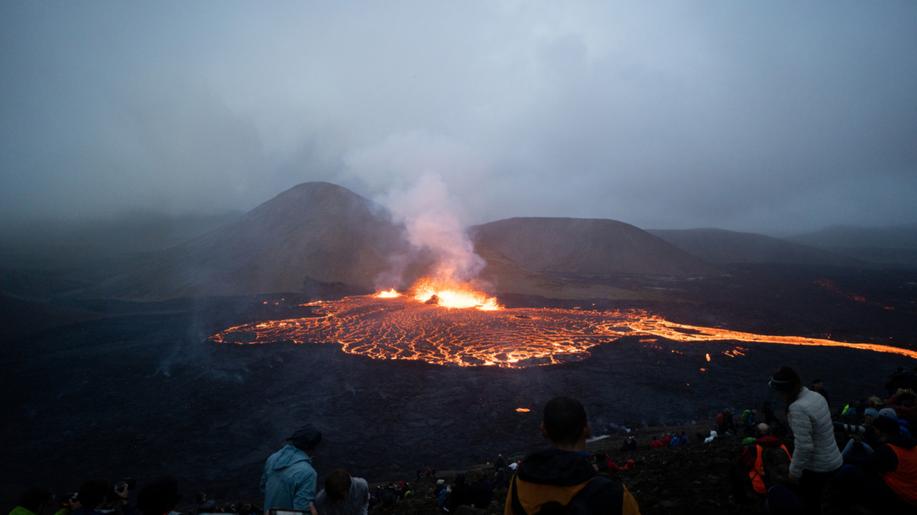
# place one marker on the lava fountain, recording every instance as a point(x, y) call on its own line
point(453, 324)
point(453, 295)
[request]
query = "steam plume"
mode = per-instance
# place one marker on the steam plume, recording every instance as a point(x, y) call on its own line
point(432, 221)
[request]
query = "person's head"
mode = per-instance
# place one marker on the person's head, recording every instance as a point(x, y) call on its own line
point(763, 429)
point(886, 427)
point(158, 497)
point(337, 485)
point(35, 499)
point(786, 382)
point(869, 415)
point(306, 438)
point(94, 493)
point(564, 423)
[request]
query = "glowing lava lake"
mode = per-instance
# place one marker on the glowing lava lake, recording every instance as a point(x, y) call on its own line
point(389, 326)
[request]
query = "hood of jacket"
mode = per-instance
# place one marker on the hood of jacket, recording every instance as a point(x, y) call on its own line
point(556, 467)
point(288, 455)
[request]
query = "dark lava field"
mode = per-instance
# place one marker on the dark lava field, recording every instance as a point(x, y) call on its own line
point(118, 389)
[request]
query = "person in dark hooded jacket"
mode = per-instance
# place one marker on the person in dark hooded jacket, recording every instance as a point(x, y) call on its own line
point(895, 462)
point(288, 481)
point(562, 479)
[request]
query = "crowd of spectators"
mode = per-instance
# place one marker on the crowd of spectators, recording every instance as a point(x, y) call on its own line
point(807, 458)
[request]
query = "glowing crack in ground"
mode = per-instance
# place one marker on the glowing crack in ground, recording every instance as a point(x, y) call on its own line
point(402, 328)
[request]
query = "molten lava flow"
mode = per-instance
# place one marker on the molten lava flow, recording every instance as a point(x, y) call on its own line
point(411, 327)
point(452, 294)
point(390, 293)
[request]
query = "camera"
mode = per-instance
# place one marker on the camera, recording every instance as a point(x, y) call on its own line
point(851, 429)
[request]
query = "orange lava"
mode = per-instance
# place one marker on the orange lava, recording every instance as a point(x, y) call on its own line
point(403, 328)
point(453, 295)
point(391, 293)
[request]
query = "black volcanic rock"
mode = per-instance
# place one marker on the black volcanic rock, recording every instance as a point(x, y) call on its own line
point(730, 247)
point(583, 247)
point(313, 234)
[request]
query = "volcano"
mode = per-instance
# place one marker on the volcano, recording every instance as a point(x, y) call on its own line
point(584, 247)
point(319, 236)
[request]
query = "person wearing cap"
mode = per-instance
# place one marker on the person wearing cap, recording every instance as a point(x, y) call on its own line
point(816, 456)
point(903, 425)
point(895, 462)
point(288, 481)
point(862, 439)
point(562, 478)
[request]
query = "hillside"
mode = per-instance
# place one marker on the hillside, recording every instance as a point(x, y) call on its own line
point(314, 233)
point(730, 247)
point(892, 245)
point(583, 248)
point(319, 234)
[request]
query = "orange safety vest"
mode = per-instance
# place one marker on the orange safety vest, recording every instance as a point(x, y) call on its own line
point(903, 480)
point(756, 474)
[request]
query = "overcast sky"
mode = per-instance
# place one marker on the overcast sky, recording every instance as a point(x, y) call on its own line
point(772, 116)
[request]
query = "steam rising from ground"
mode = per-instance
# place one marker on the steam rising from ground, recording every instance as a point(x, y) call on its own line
point(413, 175)
point(431, 220)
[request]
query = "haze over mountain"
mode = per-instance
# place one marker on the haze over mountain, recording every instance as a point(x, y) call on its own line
point(313, 232)
point(57, 244)
point(319, 235)
point(840, 236)
point(323, 233)
point(730, 247)
point(894, 245)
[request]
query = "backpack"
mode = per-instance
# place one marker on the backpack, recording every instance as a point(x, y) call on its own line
point(603, 495)
point(776, 463)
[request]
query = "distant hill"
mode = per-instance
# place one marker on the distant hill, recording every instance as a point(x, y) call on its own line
point(839, 236)
point(730, 247)
point(893, 245)
point(67, 244)
point(314, 233)
point(320, 237)
point(583, 247)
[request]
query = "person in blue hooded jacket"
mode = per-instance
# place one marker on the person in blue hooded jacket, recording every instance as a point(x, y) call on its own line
point(288, 481)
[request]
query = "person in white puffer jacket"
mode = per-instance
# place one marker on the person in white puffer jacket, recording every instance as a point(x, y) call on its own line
point(816, 456)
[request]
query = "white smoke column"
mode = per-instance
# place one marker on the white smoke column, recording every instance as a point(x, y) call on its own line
point(432, 221)
point(408, 173)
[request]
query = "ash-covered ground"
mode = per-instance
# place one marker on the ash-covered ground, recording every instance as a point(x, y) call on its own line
point(137, 389)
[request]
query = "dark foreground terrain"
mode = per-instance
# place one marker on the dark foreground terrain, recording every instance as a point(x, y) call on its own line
point(112, 389)
point(691, 479)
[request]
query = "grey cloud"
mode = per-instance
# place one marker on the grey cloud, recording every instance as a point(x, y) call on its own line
point(755, 117)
